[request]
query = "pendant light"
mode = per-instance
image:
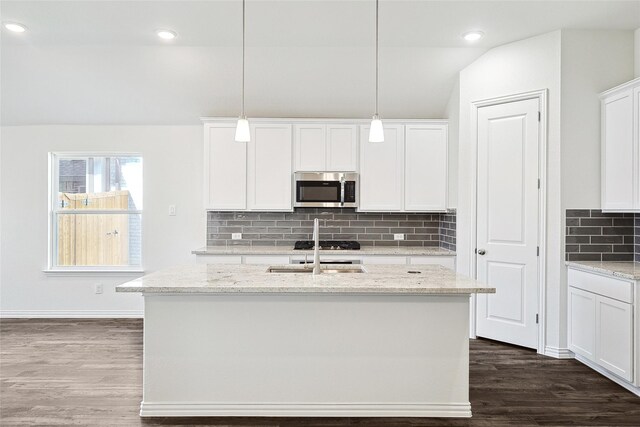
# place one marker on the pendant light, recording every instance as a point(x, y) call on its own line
point(243, 134)
point(376, 132)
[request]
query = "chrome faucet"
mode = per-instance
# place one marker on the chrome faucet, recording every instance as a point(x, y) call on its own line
point(316, 246)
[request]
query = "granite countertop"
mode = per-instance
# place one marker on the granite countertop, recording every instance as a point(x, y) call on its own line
point(364, 250)
point(624, 269)
point(377, 279)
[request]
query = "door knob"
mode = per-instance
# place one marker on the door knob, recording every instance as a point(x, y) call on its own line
point(481, 252)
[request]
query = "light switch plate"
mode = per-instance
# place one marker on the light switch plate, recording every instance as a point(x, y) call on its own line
point(236, 236)
point(172, 210)
point(99, 288)
point(398, 237)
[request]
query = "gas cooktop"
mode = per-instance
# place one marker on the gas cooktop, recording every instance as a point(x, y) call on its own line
point(328, 244)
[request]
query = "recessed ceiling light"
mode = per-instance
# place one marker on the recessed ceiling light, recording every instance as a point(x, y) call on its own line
point(166, 34)
point(473, 36)
point(15, 27)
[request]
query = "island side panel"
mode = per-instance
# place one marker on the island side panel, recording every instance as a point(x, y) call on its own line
point(306, 355)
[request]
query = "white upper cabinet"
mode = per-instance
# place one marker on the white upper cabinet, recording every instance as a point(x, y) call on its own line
point(225, 168)
point(320, 147)
point(342, 148)
point(252, 175)
point(425, 172)
point(382, 170)
point(310, 148)
point(269, 177)
point(405, 173)
point(620, 148)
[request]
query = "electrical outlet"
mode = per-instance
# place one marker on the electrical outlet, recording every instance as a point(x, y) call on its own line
point(398, 236)
point(236, 236)
point(172, 210)
point(98, 288)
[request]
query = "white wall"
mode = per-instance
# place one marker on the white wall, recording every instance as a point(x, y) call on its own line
point(637, 53)
point(453, 115)
point(174, 85)
point(523, 66)
point(592, 62)
point(172, 158)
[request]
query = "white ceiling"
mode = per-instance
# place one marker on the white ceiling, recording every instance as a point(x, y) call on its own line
point(100, 61)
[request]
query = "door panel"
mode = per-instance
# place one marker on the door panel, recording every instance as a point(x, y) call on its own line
point(617, 152)
point(507, 221)
point(613, 336)
point(425, 178)
point(505, 214)
point(225, 169)
point(342, 148)
point(310, 148)
point(381, 170)
point(582, 322)
point(269, 159)
point(510, 281)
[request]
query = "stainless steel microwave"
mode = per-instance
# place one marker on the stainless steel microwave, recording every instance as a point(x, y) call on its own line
point(326, 189)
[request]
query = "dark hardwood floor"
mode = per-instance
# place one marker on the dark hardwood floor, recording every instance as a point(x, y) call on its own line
point(89, 373)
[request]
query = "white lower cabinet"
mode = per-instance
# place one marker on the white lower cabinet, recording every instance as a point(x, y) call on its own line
point(601, 327)
point(445, 261)
point(218, 259)
point(266, 259)
point(614, 336)
point(386, 260)
point(582, 323)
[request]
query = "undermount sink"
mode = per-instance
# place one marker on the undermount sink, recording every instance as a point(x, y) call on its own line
point(324, 269)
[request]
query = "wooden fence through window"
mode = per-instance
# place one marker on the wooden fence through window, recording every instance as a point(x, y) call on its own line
point(93, 239)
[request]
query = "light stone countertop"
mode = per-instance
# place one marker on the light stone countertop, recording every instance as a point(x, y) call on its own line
point(624, 269)
point(364, 250)
point(378, 279)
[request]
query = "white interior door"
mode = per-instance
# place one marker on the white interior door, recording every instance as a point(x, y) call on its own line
point(507, 221)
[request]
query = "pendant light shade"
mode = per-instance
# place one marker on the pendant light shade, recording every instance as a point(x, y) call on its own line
point(243, 134)
point(376, 131)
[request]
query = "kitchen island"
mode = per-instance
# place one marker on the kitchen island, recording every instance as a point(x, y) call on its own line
point(236, 340)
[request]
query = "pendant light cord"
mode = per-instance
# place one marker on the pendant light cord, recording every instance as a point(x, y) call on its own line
point(376, 112)
point(243, 25)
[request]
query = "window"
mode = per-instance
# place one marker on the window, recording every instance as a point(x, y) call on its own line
point(96, 212)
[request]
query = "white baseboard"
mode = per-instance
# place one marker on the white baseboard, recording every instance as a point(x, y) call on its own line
point(558, 353)
point(205, 409)
point(633, 389)
point(70, 314)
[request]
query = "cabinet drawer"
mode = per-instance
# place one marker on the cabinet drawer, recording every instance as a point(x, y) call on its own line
point(218, 259)
point(390, 260)
point(445, 261)
point(620, 290)
point(266, 259)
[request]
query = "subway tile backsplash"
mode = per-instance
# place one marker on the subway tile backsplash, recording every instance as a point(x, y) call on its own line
point(636, 238)
point(592, 235)
point(370, 229)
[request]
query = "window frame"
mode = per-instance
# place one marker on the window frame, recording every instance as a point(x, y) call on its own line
point(54, 210)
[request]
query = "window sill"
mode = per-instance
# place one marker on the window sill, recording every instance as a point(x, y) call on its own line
point(60, 272)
